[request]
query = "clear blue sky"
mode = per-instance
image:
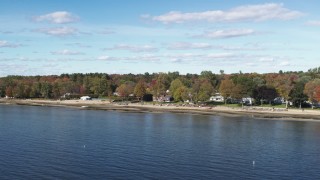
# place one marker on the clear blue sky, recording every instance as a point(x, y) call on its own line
point(54, 37)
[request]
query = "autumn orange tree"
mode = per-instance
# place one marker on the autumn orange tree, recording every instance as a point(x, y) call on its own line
point(197, 87)
point(125, 89)
point(226, 89)
point(317, 94)
point(283, 83)
point(310, 89)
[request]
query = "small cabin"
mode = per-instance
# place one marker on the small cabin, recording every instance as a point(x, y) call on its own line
point(217, 98)
point(85, 98)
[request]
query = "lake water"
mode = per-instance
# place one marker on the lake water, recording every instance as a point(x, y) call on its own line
point(66, 143)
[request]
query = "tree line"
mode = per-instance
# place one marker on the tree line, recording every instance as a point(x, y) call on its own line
point(297, 87)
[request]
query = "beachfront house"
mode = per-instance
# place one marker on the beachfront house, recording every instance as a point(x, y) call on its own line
point(85, 98)
point(217, 98)
point(247, 101)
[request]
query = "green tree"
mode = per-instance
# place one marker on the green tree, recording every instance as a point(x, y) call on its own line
point(56, 90)
point(35, 90)
point(18, 91)
point(99, 85)
point(209, 76)
point(297, 96)
point(175, 84)
point(181, 94)
point(2, 88)
point(246, 81)
point(86, 85)
point(258, 82)
point(104, 86)
point(264, 93)
point(46, 90)
point(173, 75)
point(195, 90)
point(140, 89)
point(205, 91)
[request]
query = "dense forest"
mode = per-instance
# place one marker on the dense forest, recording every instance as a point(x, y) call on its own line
point(296, 87)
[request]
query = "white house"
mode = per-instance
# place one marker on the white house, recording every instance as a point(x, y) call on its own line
point(217, 98)
point(85, 98)
point(247, 100)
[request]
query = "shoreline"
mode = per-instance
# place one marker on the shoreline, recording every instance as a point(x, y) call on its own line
point(256, 112)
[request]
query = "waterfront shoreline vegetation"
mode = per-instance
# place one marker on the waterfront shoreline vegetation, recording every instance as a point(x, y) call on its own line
point(301, 89)
point(173, 92)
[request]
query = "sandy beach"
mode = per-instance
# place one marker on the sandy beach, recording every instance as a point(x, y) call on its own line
point(257, 112)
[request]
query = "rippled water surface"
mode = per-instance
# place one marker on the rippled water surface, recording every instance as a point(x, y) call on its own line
point(63, 143)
